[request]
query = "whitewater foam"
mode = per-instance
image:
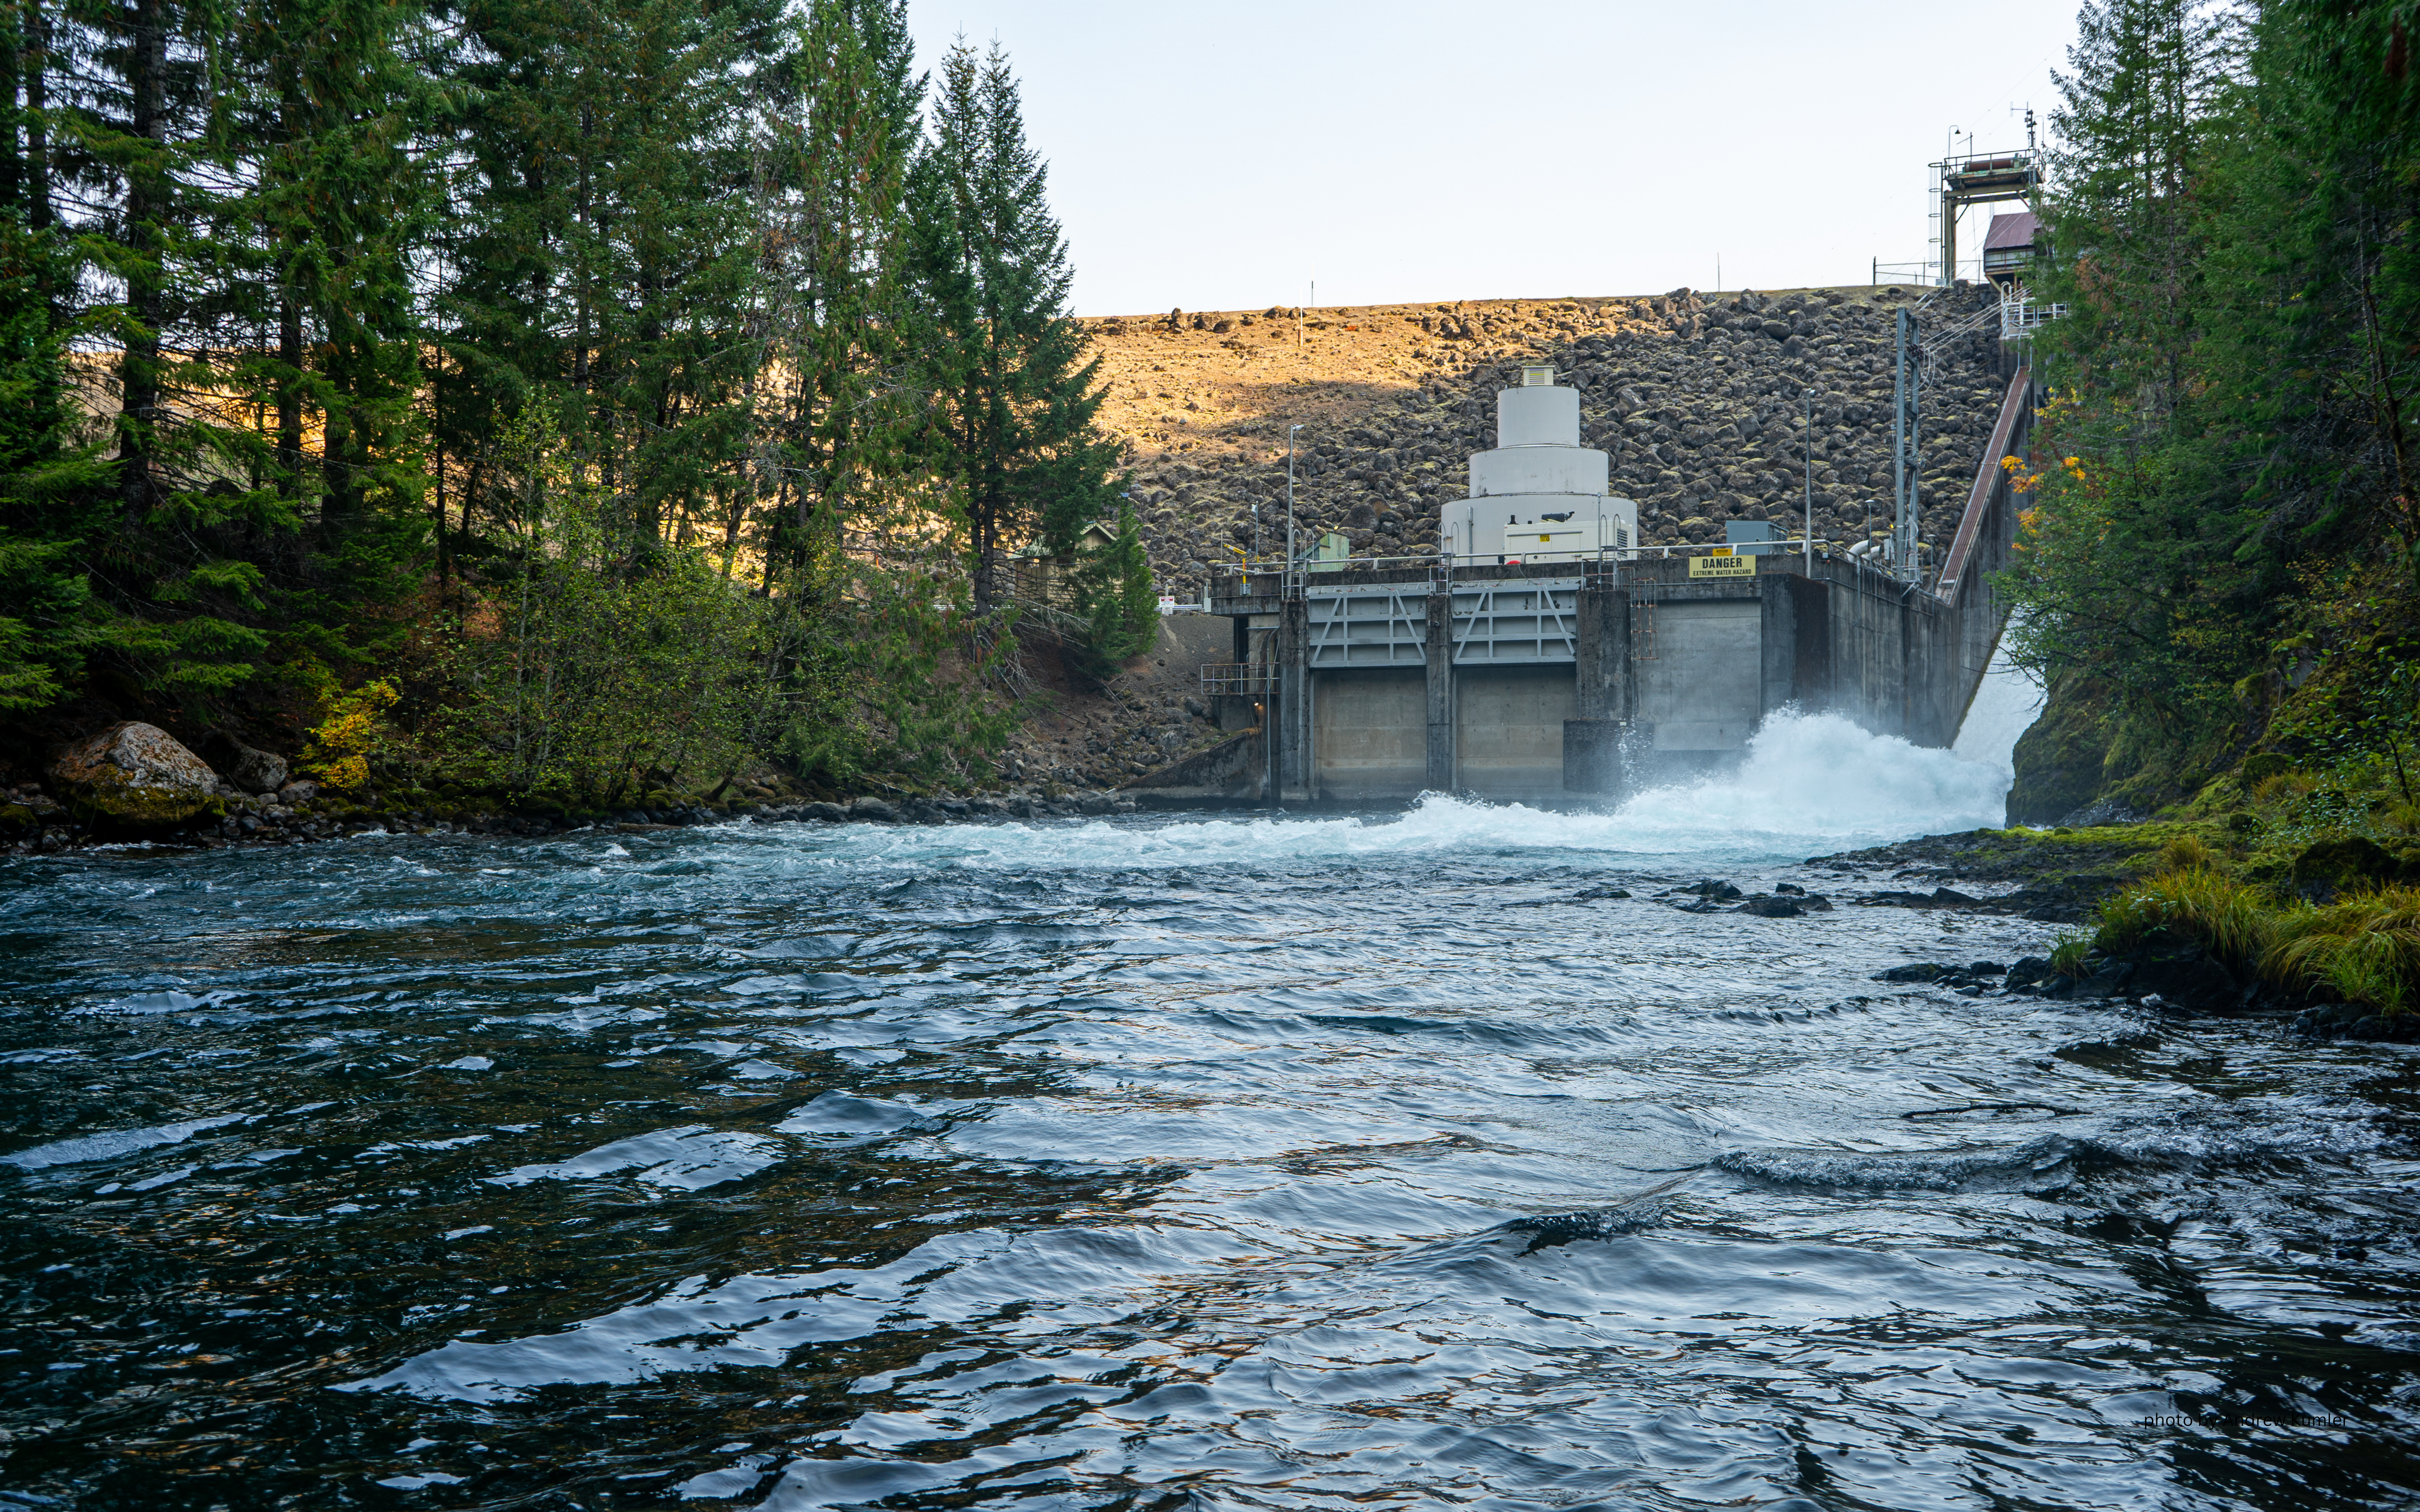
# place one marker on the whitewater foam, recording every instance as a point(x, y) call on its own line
point(1807, 782)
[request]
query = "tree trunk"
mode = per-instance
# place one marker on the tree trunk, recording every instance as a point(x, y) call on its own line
point(38, 104)
point(289, 396)
point(145, 205)
point(13, 54)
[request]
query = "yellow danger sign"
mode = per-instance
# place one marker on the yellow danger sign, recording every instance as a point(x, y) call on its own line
point(1725, 565)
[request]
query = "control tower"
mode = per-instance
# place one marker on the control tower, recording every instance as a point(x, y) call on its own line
point(1539, 496)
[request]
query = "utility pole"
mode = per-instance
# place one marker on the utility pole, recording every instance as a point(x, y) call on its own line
point(1291, 431)
point(1809, 396)
point(1904, 461)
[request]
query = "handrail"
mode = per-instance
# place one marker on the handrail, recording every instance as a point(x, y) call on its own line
point(1781, 546)
point(1989, 476)
point(1928, 347)
point(1240, 678)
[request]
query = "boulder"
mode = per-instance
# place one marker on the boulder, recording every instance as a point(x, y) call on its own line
point(137, 776)
point(296, 793)
point(2029, 970)
point(244, 767)
point(2348, 864)
point(872, 808)
point(2186, 978)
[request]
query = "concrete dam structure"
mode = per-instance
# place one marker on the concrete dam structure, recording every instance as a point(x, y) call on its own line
point(1544, 654)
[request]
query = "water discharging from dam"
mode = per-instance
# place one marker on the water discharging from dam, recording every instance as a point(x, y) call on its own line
point(1417, 1159)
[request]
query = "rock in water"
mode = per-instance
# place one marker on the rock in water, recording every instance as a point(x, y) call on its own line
point(138, 776)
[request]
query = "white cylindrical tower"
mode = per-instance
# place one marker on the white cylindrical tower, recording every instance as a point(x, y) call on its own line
point(1540, 494)
point(1538, 415)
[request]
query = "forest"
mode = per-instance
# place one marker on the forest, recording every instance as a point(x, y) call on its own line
point(539, 400)
point(2220, 570)
point(2224, 519)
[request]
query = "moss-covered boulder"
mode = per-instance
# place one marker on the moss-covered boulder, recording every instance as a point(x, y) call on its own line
point(2346, 863)
point(136, 777)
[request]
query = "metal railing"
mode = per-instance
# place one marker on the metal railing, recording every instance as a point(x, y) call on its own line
point(1248, 679)
point(1268, 577)
point(2021, 316)
point(1925, 272)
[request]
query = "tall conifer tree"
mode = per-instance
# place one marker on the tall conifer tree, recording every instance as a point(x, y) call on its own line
point(1012, 391)
point(832, 173)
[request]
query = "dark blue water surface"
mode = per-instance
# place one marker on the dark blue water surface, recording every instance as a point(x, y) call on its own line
point(1158, 1163)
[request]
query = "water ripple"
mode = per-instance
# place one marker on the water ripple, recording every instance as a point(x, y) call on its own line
point(1261, 1162)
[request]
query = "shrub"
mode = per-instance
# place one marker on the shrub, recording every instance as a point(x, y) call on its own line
point(2284, 787)
point(352, 727)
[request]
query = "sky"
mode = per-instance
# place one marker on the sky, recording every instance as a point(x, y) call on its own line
point(1226, 157)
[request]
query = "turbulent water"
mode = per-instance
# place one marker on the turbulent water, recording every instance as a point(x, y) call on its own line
point(1389, 1161)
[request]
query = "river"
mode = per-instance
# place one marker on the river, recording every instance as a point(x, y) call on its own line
point(1391, 1160)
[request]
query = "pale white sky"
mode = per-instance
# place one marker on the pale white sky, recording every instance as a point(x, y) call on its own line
point(1220, 157)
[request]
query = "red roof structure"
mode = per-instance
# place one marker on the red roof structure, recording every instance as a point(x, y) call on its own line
point(2008, 246)
point(2011, 232)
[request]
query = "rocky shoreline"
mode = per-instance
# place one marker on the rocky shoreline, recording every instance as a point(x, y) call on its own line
point(2064, 875)
point(38, 823)
point(135, 782)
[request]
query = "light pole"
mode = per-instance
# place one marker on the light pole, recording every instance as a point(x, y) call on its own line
point(1807, 399)
point(1291, 431)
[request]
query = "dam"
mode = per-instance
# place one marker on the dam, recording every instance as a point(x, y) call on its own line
point(1543, 654)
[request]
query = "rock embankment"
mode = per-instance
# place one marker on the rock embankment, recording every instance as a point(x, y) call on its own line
point(1697, 397)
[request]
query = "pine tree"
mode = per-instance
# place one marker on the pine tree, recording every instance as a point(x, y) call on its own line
point(599, 249)
point(1011, 389)
point(323, 133)
point(2130, 135)
point(828, 424)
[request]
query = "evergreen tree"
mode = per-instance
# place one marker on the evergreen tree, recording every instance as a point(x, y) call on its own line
point(2231, 207)
point(52, 487)
point(322, 135)
point(1117, 597)
point(2136, 556)
point(1012, 394)
point(828, 424)
point(601, 251)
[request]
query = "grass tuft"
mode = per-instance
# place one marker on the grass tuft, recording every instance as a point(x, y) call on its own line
point(2186, 852)
point(2366, 948)
point(2197, 903)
